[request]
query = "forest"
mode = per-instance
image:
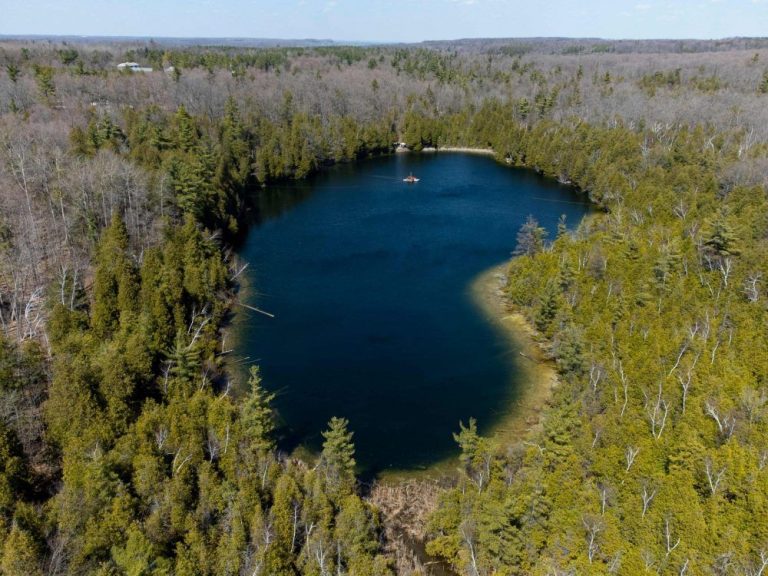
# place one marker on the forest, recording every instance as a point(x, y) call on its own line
point(125, 448)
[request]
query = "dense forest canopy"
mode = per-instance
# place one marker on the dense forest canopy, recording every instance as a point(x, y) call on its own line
point(123, 449)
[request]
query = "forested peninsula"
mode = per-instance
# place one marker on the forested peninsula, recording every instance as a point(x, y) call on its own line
point(127, 446)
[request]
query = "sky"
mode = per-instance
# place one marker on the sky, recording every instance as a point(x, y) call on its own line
point(387, 20)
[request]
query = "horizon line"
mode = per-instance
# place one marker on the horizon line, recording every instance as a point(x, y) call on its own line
point(128, 37)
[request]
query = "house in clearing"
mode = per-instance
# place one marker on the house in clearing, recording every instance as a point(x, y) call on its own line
point(132, 67)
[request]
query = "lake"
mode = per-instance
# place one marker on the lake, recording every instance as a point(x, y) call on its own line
point(367, 278)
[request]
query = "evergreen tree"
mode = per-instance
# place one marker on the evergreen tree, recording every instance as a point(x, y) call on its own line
point(530, 238)
point(338, 455)
point(20, 554)
point(257, 417)
point(14, 473)
point(562, 227)
point(115, 284)
point(13, 72)
point(185, 136)
point(138, 557)
point(45, 84)
point(547, 312)
point(722, 240)
point(184, 358)
point(469, 441)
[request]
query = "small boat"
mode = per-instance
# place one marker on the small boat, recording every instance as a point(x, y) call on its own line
point(410, 179)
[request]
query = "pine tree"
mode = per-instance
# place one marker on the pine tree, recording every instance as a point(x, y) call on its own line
point(355, 532)
point(476, 453)
point(13, 72)
point(530, 238)
point(13, 471)
point(547, 312)
point(722, 240)
point(568, 349)
point(562, 227)
point(115, 286)
point(257, 416)
point(139, 557)
point(665, 265)
point(469, 442)
point(338, 456)
point(184, 358)
point(45, 84)
point(566, 275)
point(233, 164)
point(184, 130)
point(524, 108)
point(20, 554)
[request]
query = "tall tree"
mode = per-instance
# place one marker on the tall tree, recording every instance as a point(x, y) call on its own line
point(115, 284)
point(338, 455)
point(530, 238)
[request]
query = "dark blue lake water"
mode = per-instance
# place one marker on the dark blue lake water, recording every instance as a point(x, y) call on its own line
point(368, 280)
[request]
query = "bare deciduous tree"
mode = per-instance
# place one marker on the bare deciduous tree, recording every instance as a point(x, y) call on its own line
point(752, 287)
point(726, 423)
point(668, 538)
point(630, 455)
point(657, 410)
point(647, 495)
point(593, 526)
point(714, 477)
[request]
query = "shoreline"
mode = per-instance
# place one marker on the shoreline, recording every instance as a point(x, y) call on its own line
point(533, 377)
point(459, 149)
point(537, 376)
point(467, 150)
point(406, 498)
